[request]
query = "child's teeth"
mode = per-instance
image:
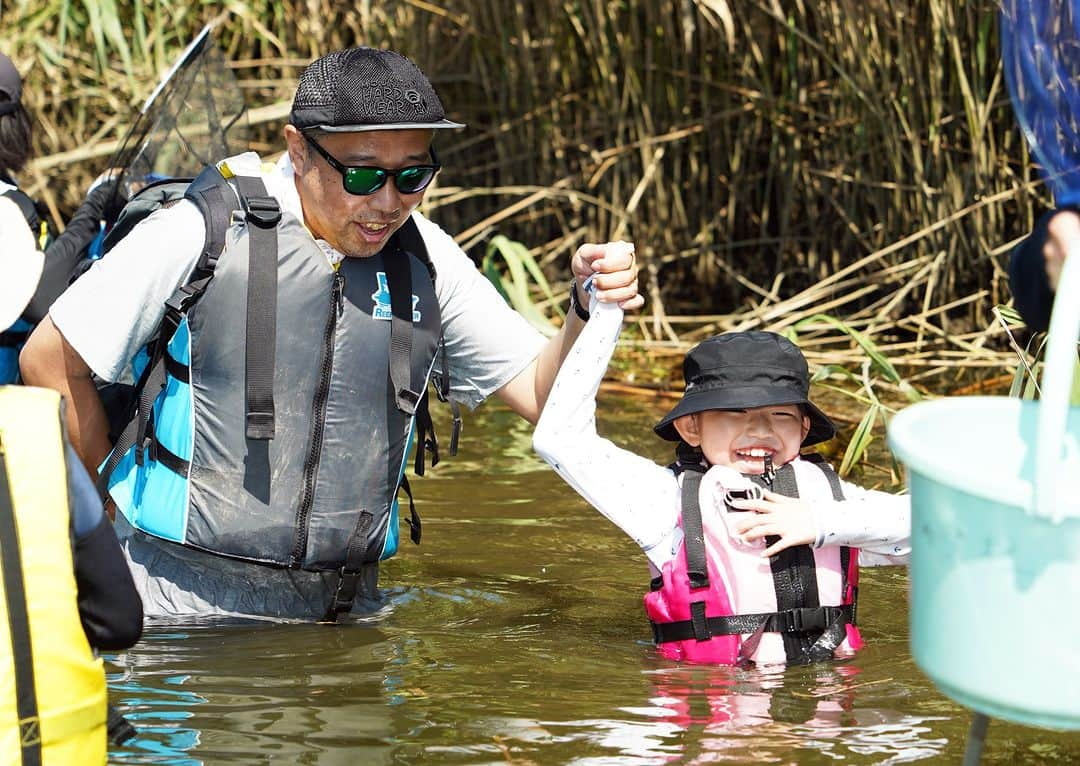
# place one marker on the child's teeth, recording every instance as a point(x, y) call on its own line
point(757, 453)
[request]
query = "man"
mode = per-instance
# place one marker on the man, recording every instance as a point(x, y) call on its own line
point(301, 478)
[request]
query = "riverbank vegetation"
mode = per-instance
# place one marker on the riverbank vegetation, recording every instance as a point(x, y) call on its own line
point(845, 170)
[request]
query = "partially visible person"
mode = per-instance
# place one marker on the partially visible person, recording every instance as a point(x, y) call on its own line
point(66, 588)
point(754, 549)
point(63, 252)
point(1036, 263)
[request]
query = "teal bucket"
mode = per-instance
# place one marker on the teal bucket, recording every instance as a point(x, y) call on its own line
point(995, 565)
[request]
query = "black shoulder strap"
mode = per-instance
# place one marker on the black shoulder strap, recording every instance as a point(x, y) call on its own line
point(262, 214)
point(217, 201)
point(29, 210)
point(693, 533)
point(793, 570)
point(399, 281)
point(18, 625)
point(830, 475)
point(697, 568)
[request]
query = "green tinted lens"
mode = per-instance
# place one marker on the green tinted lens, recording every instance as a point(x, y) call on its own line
point(364, 180)
point(411, 180)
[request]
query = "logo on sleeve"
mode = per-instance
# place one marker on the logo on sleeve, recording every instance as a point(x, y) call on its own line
point(382, 301)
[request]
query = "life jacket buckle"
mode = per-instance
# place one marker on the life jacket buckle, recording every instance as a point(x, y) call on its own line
point(263, 211)
point(144, 449)
point(407, 401)
point(344, 594)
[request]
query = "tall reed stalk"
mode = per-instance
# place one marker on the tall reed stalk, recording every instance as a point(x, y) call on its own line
point(770, 160)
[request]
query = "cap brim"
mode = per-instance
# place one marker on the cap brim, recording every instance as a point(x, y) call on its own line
point(20, 263)
point(440, 125)
point(821, 427)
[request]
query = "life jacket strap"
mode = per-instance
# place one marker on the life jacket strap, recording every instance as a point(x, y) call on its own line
point(399, 283)
point(26, 703)
point(262, 214)
point(117, 728)
point(13, 338)
point(788, 622)
point(415, 527)
point(694, 535)
point(351, 571)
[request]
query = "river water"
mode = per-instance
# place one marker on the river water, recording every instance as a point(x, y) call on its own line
point(515, 635)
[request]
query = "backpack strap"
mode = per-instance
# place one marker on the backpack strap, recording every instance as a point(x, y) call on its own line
point(34, 220)
point(216, 200)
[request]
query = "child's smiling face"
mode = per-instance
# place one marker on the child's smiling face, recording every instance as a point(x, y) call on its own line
point(741, 439)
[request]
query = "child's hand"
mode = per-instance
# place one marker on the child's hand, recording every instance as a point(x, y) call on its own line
point(786, 517)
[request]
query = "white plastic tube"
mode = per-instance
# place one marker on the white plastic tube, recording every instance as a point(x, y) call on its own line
point(1056, 390)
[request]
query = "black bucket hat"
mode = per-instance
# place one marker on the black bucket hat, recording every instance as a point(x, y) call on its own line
point(742, 370)
point(360, 89)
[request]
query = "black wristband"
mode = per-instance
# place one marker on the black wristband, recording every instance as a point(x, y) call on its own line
point(575, 304)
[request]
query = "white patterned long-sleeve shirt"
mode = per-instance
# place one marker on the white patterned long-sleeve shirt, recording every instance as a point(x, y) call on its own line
point(643, 498)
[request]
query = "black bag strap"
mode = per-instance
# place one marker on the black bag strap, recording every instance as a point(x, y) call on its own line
point(415, 527)
point(18, 624)
point(29, 211)
point(262, 214)
point(426, 440)
point(442, 391)
point(13, 338)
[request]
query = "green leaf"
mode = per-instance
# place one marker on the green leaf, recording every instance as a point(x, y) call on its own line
point(515, 284)
point(1009, 314)
point(860, 440)
point(878, 359)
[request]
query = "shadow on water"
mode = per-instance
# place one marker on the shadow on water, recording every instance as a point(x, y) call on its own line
point(515, 634)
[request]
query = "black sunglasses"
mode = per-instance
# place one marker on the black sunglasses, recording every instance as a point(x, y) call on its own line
point(368, 179)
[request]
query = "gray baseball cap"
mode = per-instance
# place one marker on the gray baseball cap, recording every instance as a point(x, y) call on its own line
point(360, 89)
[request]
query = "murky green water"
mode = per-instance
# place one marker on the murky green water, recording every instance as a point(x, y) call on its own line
point(515, 634)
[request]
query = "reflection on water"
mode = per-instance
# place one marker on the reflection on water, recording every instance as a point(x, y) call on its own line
point(515, 634)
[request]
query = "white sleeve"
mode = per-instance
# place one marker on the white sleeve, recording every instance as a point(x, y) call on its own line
point(878, 523)
point(487, 342)
point(638, 496)
point(112, 310)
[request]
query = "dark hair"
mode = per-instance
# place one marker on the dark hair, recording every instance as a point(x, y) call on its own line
point(15, 145)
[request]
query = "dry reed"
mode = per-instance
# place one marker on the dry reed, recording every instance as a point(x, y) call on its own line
point(770, 161)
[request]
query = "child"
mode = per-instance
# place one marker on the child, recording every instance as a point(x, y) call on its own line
point(754, 549)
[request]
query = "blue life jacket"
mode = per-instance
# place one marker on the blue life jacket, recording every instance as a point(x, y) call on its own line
point(277, 403)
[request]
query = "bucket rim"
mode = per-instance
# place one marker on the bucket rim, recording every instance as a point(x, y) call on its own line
point(910, 447)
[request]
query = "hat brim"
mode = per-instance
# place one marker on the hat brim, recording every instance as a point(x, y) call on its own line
point(20, 263)
point(440, 125)
point(744, 398)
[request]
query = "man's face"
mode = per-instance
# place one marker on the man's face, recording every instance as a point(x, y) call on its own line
point(741, 439)
point(357, 225)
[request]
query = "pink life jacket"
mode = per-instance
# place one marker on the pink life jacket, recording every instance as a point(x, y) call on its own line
point(719, 601)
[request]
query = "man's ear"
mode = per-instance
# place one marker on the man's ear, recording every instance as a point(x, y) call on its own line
point(294, 141)
point(805, 426)
point(689, 428)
